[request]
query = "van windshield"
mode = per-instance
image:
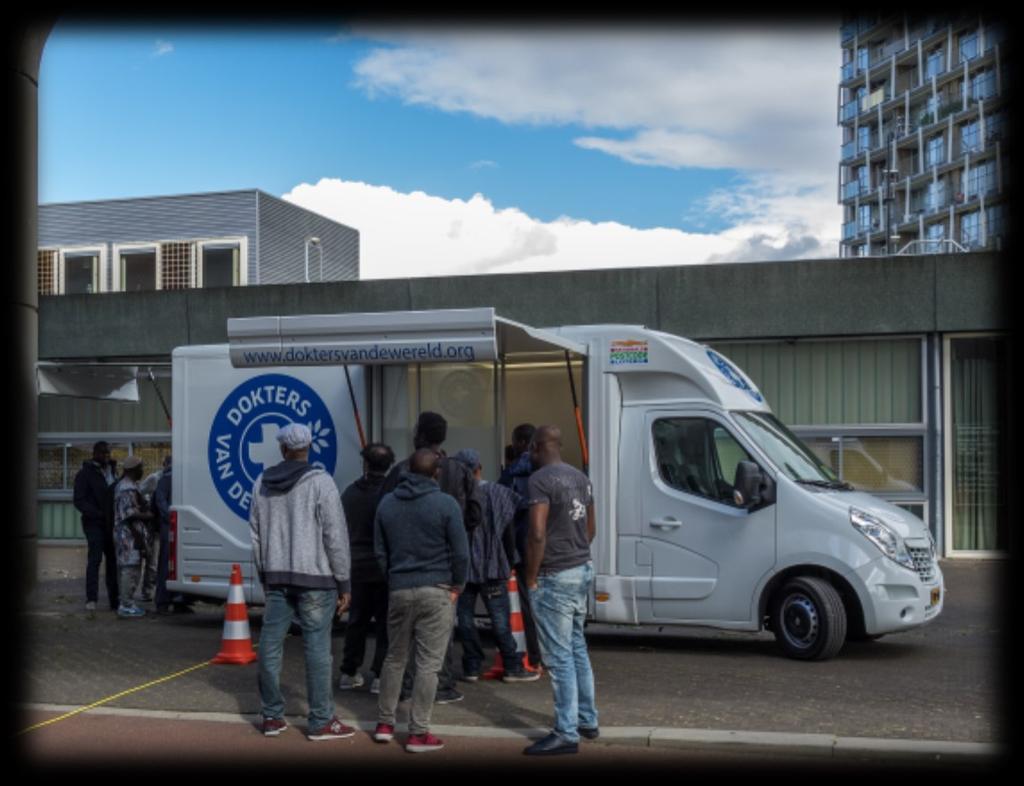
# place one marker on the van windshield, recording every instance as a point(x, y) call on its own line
point(786, 451)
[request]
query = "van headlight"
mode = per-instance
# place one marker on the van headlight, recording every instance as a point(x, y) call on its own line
point(883, 536)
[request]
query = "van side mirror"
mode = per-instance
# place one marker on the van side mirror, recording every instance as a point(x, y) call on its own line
point(752, 487)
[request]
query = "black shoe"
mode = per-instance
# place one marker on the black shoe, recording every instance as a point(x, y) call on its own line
point(552, 745)
point(448, 696)
point(590, 734)
point(163, 608)
point(183, 608)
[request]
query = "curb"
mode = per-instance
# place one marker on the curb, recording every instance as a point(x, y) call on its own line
point(822, 746)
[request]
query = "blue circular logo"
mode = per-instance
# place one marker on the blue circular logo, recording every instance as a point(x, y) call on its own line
point(733, 376)
point(243, 437)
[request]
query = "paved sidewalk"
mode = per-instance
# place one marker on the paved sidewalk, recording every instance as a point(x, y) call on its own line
point(926, 696)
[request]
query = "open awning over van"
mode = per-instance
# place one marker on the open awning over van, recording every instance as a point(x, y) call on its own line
point(470, 335)
point(103, 381)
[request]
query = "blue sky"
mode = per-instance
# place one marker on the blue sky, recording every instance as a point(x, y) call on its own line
point(586, 144)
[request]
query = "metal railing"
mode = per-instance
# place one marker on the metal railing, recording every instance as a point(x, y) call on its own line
point(931, 247)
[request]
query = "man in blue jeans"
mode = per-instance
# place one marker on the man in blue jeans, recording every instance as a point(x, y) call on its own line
point(558, 575)
point(301, 552)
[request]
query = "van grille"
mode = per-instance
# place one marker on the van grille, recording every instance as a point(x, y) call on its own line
point(924, 563)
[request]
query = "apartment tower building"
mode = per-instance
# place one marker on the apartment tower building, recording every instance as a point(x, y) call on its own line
point(924, 112)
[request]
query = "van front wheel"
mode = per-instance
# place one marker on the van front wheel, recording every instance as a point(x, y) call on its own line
point(808, 619)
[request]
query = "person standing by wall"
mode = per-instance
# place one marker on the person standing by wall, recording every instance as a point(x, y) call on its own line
point(421, 547)
point(131, 538)
point(516, 476)
point(94, 499)
point(559, 572)
point(369, 587)
point(492, 553)
point(300, 549)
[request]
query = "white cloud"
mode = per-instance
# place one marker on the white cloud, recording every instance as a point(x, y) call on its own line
point(485, 164)
point(701, 97)
point(416, 234)
point(162, 48)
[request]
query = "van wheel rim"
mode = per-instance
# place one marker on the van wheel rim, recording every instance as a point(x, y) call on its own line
point(800, 621)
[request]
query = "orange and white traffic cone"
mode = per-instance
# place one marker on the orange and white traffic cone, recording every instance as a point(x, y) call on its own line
point(518, 633)
point(236, 646)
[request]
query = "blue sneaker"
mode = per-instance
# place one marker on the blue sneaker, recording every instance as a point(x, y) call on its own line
point(130, 612)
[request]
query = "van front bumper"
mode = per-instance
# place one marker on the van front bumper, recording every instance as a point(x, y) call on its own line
point(895, 598)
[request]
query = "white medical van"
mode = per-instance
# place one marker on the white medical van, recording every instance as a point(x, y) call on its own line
point(710, 512)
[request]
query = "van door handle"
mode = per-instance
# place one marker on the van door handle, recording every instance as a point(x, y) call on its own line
point(669, 523)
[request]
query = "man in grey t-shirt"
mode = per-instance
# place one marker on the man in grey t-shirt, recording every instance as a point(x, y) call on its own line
point(558, 576)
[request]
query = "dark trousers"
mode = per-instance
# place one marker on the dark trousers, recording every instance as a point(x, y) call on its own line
point(163, 597)
point(529, 626)
point(101, 546)
point(369, 603)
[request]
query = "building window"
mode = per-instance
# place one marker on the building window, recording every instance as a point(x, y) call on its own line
point(935, 196)
point(138, 270)
point(970, 137)
point(969, 48)
point(970, 230)
point(863, 139)
point(935, 64)
point(983, 85)
point(994, 125)
point(935, 151)
point(220, 265)
point(980, 455)
point(864, 218)
point(81, 274)
point(862, 58)
point(981, 179)
point(877, 464)
point(993, 224)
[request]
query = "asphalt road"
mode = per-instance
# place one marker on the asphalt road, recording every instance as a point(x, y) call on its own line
point(939, 682)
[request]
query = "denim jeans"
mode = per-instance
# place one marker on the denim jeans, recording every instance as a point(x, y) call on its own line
point(419, 623)
point(314, 609)
point(495, 595)
point(559, 609)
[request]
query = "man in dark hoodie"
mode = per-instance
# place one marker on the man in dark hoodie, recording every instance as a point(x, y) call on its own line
point(421, 547)
point(300, 549)
point(369, 587)
point(94, 499)
point(455, 480)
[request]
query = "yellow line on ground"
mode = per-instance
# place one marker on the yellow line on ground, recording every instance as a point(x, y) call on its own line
point(67, 715)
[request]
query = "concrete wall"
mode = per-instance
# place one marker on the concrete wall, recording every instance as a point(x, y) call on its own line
point(923, 294)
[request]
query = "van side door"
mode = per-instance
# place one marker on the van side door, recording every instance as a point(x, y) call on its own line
point(708, 553)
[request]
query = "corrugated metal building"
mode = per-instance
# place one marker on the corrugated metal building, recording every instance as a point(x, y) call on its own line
point(232, 238)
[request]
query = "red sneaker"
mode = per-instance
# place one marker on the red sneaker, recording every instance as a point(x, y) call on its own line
point(273, 726)
point(384, 733)
point(334, 730)
point(423, 743)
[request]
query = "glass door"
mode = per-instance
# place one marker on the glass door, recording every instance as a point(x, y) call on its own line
point(977, 445)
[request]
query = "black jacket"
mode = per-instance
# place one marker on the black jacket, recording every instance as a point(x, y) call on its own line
point(94, 499)
point(360, 502)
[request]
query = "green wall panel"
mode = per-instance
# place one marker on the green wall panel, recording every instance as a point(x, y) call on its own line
point(858, 381)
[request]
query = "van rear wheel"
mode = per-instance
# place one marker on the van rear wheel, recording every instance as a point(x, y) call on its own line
point(808, 619)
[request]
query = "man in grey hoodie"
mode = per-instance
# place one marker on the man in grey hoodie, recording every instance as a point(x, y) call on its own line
point(301, 551)
point(421, 547)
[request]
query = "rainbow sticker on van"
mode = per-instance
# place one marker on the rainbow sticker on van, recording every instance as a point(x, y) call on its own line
point(623, 352)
